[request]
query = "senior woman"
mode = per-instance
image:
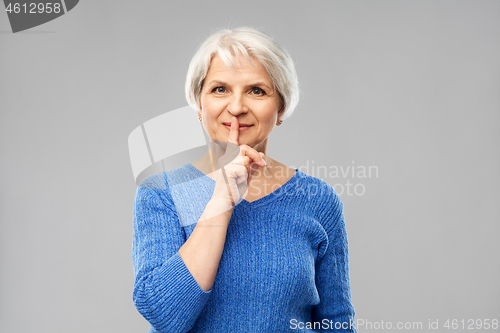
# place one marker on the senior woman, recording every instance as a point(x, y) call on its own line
point(267, 251)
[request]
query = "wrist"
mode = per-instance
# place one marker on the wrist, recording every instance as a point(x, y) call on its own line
point(217, 207)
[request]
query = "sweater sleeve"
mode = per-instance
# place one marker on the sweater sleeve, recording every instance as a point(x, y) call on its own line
point(165, 293)
point(335, 310)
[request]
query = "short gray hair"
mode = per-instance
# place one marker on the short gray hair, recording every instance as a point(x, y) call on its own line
point(248, 42)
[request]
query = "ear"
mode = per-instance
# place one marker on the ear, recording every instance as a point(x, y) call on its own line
point(199, 103)
point(282, 106)
point(198, 96)
point(280, 113)
point(281, 110)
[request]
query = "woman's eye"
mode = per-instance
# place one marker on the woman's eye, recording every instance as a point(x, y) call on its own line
point(258, 91)
point(219, 90)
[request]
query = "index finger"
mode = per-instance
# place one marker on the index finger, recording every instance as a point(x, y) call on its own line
point(234, 131)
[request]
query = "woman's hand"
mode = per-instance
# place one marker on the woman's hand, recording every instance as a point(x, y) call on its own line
point(236, 168)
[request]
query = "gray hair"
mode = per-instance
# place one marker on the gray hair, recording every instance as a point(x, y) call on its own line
point(250, 43)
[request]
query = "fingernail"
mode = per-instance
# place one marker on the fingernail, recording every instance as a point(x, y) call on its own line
point(264, 161)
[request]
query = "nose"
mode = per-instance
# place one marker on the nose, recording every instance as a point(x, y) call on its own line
point(237, 105)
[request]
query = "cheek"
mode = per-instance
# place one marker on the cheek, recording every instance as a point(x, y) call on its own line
point(210, 107)
point(210, 116)
point(269, 114)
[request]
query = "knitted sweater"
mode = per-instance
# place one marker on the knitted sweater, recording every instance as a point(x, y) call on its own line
point(284, 265)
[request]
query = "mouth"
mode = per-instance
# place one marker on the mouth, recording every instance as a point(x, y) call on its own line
point(242, 127)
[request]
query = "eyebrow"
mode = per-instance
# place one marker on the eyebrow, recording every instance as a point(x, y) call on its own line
point(256, 84)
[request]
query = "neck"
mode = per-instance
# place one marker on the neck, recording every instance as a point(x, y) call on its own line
point(209, 163)
point(261, 147)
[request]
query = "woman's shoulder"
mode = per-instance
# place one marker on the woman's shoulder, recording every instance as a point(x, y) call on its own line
point(162, 183)
point(162, 180)
point(154, 182)
point(317, 186)
point(325, 200)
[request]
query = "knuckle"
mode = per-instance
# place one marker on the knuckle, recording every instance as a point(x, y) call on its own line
point(245, 148)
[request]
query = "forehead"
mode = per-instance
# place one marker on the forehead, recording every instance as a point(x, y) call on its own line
point(243, 69)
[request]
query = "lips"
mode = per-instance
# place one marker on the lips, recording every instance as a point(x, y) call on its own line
point(241, 125)
point(242, 128)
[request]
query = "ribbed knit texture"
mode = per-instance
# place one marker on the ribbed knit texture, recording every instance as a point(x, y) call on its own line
point(285, 258)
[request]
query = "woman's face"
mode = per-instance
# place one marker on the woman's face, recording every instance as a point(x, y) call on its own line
point(247, 93)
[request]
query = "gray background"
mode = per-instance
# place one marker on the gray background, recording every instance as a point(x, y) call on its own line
point(409, 87)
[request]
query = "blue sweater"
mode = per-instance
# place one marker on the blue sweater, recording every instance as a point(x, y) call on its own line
point(284, 267)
